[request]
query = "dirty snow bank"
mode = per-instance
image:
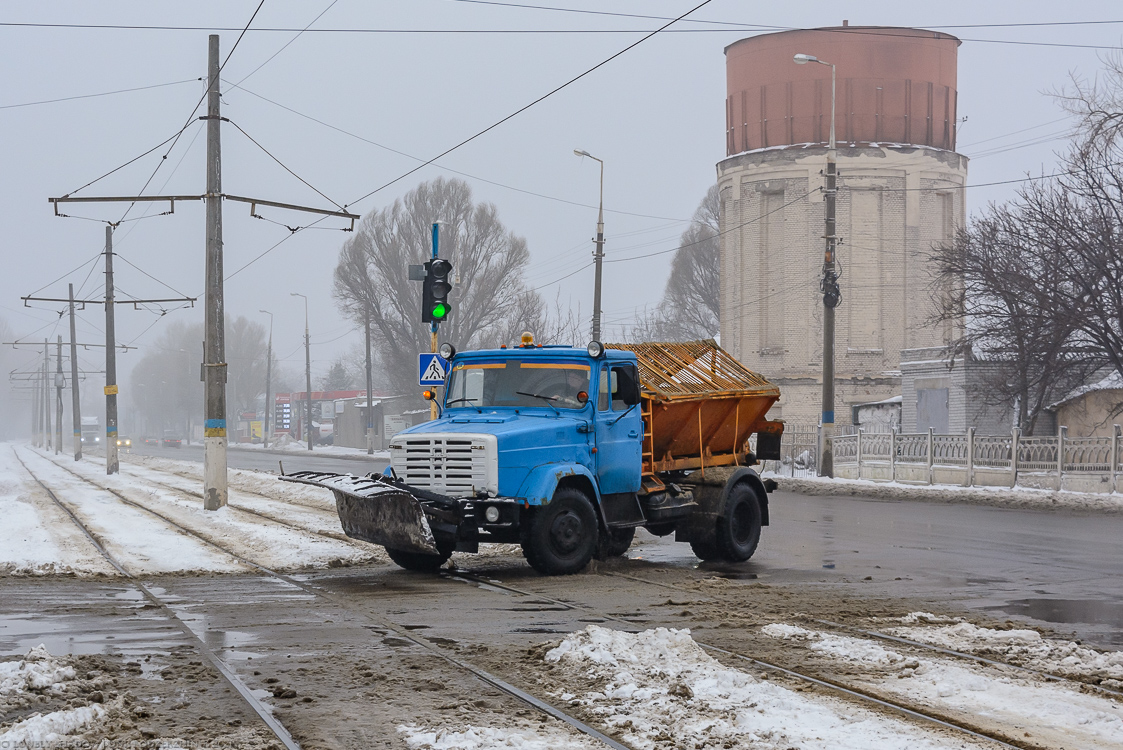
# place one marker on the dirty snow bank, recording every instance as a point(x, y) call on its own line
point(1002, 497)
point(485, 738)
point(36, 672)
point(42, 730)
point(659, 690)
point(39, 673)
point(1023, 647)
point(1056, 714)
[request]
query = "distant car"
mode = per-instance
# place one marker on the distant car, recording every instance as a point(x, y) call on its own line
point(172, 440)
point(152, 440)
point(125, 443)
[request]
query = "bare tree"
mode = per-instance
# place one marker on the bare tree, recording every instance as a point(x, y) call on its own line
point(489, 296)
point(1006, 277)
point(166, 386)
point(690, 306)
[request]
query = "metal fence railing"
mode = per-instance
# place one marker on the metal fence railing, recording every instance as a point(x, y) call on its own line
point(929, 458)
point(799, 451)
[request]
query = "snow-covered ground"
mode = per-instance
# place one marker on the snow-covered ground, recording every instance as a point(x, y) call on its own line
point(268, 522)
point(1056, 714)
point(497, 738)
point(1023, 647)
point(297, 446)
point(660, 690)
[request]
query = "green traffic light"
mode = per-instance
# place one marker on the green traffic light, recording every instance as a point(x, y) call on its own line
point(440, 311)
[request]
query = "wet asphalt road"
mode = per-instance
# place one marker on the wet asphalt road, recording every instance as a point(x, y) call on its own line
point(259, 460)
point(1058, 568)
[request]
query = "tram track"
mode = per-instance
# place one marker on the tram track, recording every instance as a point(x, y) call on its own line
point(829, 684)
point(400, 631)
point(850, 691)
point(920, 645)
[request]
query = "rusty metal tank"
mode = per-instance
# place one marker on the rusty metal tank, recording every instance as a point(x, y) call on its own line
point(894, 85)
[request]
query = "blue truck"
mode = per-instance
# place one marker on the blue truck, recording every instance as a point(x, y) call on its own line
point(567, 451)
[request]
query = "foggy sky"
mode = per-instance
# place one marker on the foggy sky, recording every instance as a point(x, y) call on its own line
point(655, 115)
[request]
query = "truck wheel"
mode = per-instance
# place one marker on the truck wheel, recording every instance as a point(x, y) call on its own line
point(738, 530)
point(619, 540)
point(418, 561)
point(562, 535)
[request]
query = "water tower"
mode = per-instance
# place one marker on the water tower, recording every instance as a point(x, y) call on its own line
point(900, 191)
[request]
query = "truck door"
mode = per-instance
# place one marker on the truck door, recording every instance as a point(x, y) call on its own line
point(619, 429)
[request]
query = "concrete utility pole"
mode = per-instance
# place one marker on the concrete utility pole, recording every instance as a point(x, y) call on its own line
point(214, 345)
point(598, 255)
point(60, 383)
point(75, 397)
point(828, 285)
point(34, 410)
point(112, 465)
point(47, 433)
point(307, 370)
point(370, 405)
point(268, 383)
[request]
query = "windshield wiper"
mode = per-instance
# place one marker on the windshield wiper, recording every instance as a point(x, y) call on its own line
point(547, 399)
point(458, 400)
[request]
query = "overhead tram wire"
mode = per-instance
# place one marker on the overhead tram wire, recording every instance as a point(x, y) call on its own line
point(443, 167)
point(289, 42)
point(489, 128)
point(284, 166)
point(451, 31)
point(191, 117)
point(103, 93)
point(542, 98)
point(741, 25)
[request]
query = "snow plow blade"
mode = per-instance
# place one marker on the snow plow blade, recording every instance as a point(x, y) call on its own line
point(375, 510)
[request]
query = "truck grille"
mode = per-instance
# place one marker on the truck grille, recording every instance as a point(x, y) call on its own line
point(454, 464)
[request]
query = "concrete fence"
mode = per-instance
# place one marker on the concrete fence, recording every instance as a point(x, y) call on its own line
point(1056, 463)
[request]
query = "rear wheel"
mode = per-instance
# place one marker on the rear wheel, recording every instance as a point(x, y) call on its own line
point(736, 533)
point(562, 535)
point(418, 561)
point(619, 540)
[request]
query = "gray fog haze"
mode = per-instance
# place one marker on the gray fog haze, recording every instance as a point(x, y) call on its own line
point(374, 86)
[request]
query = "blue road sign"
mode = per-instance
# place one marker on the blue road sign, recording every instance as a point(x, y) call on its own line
point(431, 369)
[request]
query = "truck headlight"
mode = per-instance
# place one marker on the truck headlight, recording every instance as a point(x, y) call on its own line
point(491, 514)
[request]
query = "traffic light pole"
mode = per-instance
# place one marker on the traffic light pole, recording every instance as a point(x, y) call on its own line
point(433, 326)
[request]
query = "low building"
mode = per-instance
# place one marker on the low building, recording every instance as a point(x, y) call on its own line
point(1092, 410)
point(947, 394)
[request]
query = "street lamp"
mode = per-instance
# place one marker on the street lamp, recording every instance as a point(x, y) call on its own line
point(268, 383)
point(828, 286)
point(307, 367)
point(598, 256)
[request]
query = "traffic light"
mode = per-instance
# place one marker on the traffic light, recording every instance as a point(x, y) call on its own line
point(434, 291)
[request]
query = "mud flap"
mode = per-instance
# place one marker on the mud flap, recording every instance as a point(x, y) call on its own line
point(375, 511)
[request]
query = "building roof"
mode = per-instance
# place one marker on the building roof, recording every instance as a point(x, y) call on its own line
point(1112, 382)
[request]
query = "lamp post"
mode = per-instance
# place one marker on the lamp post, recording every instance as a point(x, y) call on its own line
point(598, 256)
point(828, 285)
point(307, 368)
point(268, 382)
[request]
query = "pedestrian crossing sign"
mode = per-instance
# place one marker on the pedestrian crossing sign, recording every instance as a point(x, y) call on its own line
point(431, 369)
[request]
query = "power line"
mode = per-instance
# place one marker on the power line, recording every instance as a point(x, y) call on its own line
point(441, 166)
point(284, 166)
point(104, 93)
point(524, 108)
point(286, 45)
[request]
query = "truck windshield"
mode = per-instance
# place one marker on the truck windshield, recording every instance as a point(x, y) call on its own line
point(518, 383)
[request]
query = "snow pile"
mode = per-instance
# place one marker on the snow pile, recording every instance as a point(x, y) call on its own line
point(839, 647)
point(43, 730)
point(36, 672)
point(484, 738)
point(1056, 714)
point(659, 690)
point(24, 682)
point(1023, 647)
